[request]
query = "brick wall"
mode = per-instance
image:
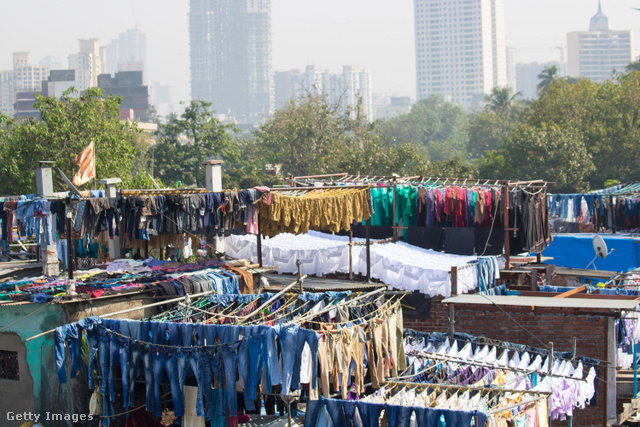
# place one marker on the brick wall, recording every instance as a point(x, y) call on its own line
point(548, 325)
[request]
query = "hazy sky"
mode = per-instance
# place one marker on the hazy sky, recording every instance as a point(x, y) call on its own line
point(376, 35)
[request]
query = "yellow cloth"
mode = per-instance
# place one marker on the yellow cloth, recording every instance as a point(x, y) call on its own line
point(322, 210)
point(191, 418)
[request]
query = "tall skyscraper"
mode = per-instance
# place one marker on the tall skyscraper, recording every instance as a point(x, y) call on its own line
point(461, 49)
point(599, 51)
point(527, 77)
point(230, 43)
point(127, 53)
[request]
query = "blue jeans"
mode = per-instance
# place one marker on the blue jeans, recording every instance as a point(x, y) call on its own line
point(140, 357)
point(370, 413)
point(165, 359)
point(314, 407)
point(210, 363)
point(123, 352)
point(400, 416)
point(336, 412)
point(188, 358)
point(114, 350)
point(90, 324)
point(310, 337)
point(288, 343)
point(103, 357)
point(71, 334)
point(229, 336)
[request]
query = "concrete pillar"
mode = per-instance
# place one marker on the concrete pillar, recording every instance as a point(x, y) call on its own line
point(213, 182)
point(110, 191)
point(44, 188)
point(610, 376)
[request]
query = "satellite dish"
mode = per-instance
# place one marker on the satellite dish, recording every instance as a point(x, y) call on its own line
point(600, 247)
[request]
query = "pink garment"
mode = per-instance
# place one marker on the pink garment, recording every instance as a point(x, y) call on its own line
point(532, 417)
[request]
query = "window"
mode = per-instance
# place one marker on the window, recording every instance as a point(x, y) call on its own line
point(9, 365)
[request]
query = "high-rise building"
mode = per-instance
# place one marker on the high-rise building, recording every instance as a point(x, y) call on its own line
point(23, 77)
point(351, 88)
point(58, 82)
point(88, 63)
point(230, 48)
point(596, 53)
point(461, 49)
point(127, 53)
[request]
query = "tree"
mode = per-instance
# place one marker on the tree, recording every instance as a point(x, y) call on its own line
point(547, 77)
point(546, 152)
point(437, 125)
point(66, 127)
point(502, 99)
point(633, 66)
point(185, 142)
point(488, 130)
point(307, 136)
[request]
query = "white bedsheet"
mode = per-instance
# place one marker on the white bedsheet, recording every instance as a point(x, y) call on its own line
point(399, 264)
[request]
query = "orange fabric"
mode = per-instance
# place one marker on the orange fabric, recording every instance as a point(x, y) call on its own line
point(87, 162)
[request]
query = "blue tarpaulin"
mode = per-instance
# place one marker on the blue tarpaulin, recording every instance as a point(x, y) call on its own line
point(576, 251)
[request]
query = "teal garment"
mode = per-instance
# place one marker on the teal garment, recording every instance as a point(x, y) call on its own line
point(382, 200)
point(406, 205)
point(520, 420)
point(217, 420)
point(442, 422)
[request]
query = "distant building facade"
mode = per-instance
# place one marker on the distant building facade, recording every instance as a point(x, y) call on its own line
point(230, 52)
point(461, 49)
point(88, 63)
point(351, 88)
point(127, 53)
point(128, 85)
point(58, 82)
point(397, 106)
point(596, 53)
point(23, 77)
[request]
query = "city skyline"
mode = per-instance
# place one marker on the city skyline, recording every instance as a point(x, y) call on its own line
point(375, 35)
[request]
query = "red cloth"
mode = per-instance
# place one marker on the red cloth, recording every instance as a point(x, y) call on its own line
point(461, 207)
point(438, 205)
point(96, 293)
point(142, 418)
point(448, 200)
point(488, 218)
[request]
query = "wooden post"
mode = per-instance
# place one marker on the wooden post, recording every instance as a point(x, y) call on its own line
point(351, 254)
point(534, 279)
point(146, 249)
point(452, 321)
point(369, 250)
point(505, 222)
point(259, 237)
point(70, 245)
point(454, 281)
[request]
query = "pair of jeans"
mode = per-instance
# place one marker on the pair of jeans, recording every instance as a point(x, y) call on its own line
point(400, 416)
point(112, 325)
point(165, 359)
point(140, 358)
point(370, 413)
point(210, 364)
point(230, 345)
point(341, 412)
point(73, 335)
point(91, 325)
point(305, 336)
point(288, 336)
point(188, 358)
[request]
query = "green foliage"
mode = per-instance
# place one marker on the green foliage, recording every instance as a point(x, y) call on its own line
point(67, 126)
point(184, 142)
point(306, 137)
point(547, 77)
point(547, 152)
point(433, 123)
point(503, 100)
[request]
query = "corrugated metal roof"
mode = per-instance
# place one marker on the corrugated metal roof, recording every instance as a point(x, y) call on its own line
point(549, 302)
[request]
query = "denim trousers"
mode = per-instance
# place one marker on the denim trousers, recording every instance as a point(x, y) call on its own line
point(91, 325)
point(400, 416)
point(310, 337)
point(165, 359)
point(140, 357)
point(370, 413)
point(210, 364)
point(230, 345)
point(336, 412)
point(103, 357)
point(188, 358)
point(71, 334)
point(114, 356)
point(123, 353)
point(288, 336)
